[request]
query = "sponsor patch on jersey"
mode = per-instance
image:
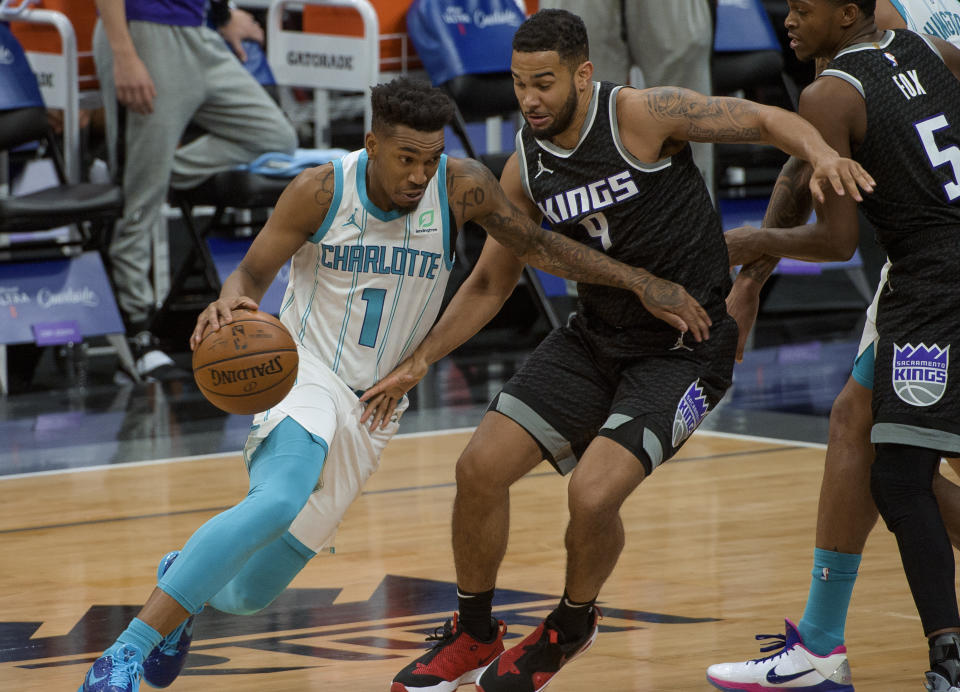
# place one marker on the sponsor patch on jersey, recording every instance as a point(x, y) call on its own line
point(425, 223)
point(691, 410)
point(920, 373)
point(892, 58)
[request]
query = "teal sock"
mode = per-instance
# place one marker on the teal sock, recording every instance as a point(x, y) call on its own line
point(141, 635)
point(830, 589)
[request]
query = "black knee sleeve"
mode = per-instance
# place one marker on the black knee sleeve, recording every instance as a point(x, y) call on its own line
point(901, 481)
point(898, 477)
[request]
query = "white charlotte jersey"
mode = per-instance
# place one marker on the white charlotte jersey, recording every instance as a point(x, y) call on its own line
point(367, 286)
point(939, 18)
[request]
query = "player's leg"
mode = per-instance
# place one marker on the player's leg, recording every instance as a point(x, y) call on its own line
point(354, 456)
point(846, 514)
point(902, 484)
point(948, 499)
point(547, 410)
point(658, 403)
point(282, 473)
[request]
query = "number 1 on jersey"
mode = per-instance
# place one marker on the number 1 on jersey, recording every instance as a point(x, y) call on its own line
point(939, 157)
point(371, 317)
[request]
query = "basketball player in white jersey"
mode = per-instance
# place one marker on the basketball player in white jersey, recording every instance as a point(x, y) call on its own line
point(846, 512)
point(371, 238)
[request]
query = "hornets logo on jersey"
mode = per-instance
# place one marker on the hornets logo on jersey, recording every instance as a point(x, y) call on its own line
point(367, 286)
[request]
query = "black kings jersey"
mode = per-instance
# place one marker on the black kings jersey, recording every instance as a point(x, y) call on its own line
point(912, 142)
point(656, 216)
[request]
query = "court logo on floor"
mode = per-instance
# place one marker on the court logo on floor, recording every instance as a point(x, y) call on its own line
point(920, 373)
point(304, 628)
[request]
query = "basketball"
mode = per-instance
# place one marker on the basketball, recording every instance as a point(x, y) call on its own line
point(246, 366)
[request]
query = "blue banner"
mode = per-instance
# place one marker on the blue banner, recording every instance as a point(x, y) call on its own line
point(67, 290)
point(469, 37)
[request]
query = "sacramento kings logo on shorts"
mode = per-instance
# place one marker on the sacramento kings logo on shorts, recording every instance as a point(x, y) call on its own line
point(920, 374)
point(690, 411)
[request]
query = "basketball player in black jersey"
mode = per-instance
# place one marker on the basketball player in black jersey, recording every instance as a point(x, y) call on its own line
point(617, 391)
point(893, 99)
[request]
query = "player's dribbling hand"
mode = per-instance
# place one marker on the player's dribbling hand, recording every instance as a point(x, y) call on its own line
point(382, 398)
point(217, 314)
point(842, 174)
point(670, 302)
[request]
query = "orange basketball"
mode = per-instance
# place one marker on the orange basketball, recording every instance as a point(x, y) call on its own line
point(246, 366)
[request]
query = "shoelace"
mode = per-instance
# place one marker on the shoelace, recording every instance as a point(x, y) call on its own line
point(441, 634)
point(169, 644)
point(125, 673)
point(779, 645)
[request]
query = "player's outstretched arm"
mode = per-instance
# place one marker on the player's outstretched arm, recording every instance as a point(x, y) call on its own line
point(298, 213)
point(476, 196)
point(684, 115)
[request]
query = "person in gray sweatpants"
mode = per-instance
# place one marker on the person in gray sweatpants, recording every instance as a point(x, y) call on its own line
point(160, 61)
point(670, 41)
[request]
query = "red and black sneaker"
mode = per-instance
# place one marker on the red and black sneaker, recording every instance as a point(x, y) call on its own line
point(456, 659)
point(533, 663)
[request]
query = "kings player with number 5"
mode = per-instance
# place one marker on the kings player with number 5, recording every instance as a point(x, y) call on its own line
point(892, 98)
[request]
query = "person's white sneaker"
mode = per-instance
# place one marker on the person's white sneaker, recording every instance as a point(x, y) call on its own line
point(793, 667)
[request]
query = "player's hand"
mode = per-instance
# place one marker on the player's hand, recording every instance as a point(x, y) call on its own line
point(133, 83)
point(217, 314)
point(241, 26)
point(382, 398)
point(743, 304)
point(842, 174)
point(671, 303)
point(741, 245)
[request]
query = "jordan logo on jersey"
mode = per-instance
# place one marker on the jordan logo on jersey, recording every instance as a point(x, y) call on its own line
point(541, 168)
point(352, 221)
point(920, 374)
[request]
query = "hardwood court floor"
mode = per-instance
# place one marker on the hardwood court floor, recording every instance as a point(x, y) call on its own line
point(719, 547)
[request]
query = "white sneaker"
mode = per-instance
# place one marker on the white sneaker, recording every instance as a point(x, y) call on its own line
point(793, 667)
point(937, 683)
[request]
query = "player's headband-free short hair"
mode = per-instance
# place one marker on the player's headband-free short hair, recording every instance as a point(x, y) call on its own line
point(410, 102)
point(554, 30)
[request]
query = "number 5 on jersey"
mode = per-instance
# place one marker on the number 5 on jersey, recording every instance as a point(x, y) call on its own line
point(938, 157)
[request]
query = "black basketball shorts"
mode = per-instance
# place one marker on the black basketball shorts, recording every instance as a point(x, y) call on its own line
point(916, 393)
point(577, 384)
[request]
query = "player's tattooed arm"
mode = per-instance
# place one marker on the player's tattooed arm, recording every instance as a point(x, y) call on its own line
point(323, 178)
point(478, 197)
point(790, 205)
point(300, 210)
point(705, 118)
point(677, 114)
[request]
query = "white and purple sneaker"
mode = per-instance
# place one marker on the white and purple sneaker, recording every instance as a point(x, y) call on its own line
point(793, 667)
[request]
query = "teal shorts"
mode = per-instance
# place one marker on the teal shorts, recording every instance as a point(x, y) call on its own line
point(863, 366)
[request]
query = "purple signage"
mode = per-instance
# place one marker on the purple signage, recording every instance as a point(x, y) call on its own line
point(53, 292)
point(55, 333)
